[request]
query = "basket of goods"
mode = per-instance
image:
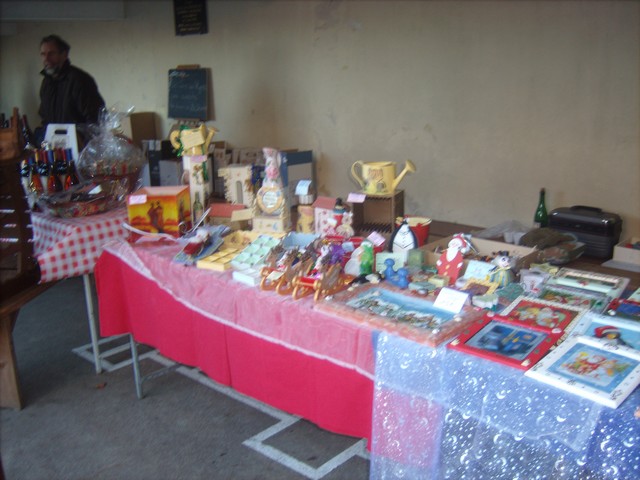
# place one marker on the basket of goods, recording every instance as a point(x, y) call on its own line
point(87, 198)
point(110, 155)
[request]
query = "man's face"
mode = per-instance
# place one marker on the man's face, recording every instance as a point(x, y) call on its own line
point(52, 58)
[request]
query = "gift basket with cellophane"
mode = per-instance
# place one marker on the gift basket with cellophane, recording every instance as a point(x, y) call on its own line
point(109, 167)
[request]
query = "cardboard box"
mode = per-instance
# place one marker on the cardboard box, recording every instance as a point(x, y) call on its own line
point(323, 214)
point(247, 156)
point(222, 214)
point(624, 254)
point(163, 167)
point(199, 170)
point(140, 126)
point(296, 166)
point(524, 255)
point(159, 209)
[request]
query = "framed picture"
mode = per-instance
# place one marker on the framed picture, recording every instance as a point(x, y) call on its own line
point(534, 312)
point(624, 308)
point(610, 285)
point(506, 341)
point(576, 297)
point(400, 311)
point(615, 330)
point(475, 287)
point(592, 368)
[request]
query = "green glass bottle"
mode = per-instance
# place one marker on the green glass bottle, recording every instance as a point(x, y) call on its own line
point(541, 217)
point(197, 210)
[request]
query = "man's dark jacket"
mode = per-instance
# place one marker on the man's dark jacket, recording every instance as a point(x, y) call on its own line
point(70, 96)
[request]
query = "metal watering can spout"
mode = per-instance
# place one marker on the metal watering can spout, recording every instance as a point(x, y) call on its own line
point(408, 167)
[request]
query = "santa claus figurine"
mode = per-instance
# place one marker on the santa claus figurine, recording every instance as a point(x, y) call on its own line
point(450, 262)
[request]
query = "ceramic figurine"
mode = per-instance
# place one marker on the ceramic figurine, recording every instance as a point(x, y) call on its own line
point(367, 257)
point(502, 274)
point(345, 229)
point(450, 262)
point(403, 239)
point(399, 278)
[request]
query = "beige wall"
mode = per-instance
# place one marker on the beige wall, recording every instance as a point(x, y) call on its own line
point(491, 100)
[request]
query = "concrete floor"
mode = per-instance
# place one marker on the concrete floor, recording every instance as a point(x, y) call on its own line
point(79, 425)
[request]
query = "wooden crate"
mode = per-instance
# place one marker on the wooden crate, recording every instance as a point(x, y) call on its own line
point(378, 213)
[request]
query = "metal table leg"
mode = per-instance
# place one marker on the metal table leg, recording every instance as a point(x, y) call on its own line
point(137, 377)
point(136, 367)
point(93, 330)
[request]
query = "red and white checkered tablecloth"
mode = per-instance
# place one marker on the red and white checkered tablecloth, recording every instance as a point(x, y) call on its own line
point(70, 247)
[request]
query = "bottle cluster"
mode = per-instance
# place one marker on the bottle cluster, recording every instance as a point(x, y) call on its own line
point(47, 171)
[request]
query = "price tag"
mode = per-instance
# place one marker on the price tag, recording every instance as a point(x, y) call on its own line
point(137, 199)
point(376, 239)
point(302, 188)
point(355, 197)
point(451, 300)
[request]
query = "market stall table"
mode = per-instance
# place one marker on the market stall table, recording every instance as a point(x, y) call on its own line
point(70, 247)
point(443, 414)
point(268, 346)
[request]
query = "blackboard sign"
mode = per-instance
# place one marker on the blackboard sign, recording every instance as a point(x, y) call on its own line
point(188, 93)
point(190, 16)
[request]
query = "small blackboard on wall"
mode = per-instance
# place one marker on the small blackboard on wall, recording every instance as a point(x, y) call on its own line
point(189, 93)
point(190, 17)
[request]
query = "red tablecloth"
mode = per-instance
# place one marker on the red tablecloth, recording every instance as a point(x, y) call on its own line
point(268, 346)
point(70, 247)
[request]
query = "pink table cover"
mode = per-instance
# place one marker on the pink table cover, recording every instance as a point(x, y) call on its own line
point(70, 247)
point(271, 347)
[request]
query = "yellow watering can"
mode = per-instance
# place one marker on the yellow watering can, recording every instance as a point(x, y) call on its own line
point(194, 141)
point(379, 178)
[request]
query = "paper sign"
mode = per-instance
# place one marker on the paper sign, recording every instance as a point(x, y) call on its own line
point(355, 197)
point(137, 199)
point(450, 300)
point(303, 186)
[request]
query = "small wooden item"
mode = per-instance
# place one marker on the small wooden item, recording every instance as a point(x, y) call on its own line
point(378, 214)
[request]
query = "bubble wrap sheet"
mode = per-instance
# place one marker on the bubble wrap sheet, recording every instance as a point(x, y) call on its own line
point(442, 414)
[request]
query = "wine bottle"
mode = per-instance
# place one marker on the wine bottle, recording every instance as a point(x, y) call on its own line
point(541, 217)
point(27, 135)
point(53, 180)
point(197, 210)
point(25, 174)
point(35, 183)
point(61, 166)
point(72, 176)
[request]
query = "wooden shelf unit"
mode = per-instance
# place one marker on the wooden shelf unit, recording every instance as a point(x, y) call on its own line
point(378, 213)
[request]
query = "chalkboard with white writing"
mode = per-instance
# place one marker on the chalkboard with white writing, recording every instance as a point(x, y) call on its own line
point(188, 93)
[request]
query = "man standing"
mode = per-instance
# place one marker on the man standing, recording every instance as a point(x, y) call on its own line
point(67, 94)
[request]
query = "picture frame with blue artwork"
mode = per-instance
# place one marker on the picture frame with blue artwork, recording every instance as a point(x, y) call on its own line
point(504, 340)
point(624, 308)
point(616, 330)
point(592, 368)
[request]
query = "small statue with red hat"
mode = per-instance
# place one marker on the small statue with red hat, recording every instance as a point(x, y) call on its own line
point(450, 262)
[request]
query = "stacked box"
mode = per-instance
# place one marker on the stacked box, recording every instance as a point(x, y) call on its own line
point(525, 255)
point(160, 209)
